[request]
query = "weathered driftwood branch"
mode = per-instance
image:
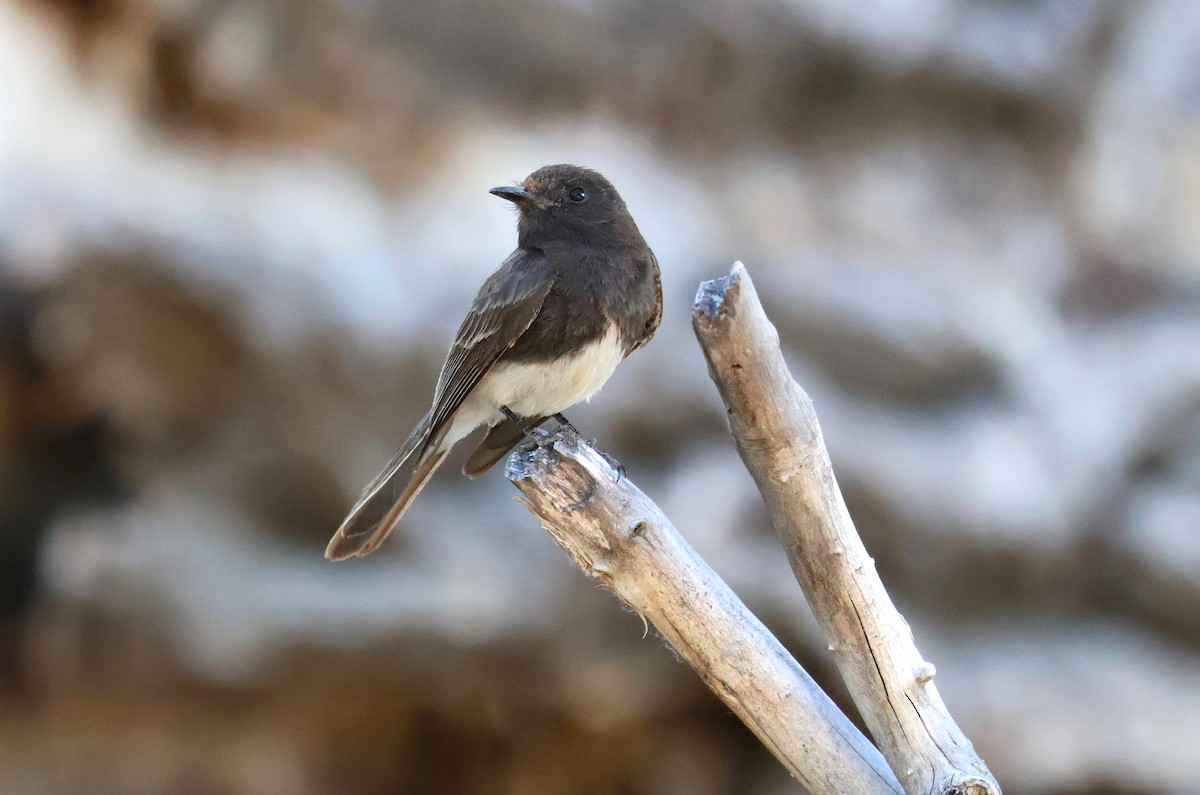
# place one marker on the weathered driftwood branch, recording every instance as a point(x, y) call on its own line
point(779, 440)
point(616, 534)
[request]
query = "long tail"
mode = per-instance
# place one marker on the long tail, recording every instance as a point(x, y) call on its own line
point(388, 496)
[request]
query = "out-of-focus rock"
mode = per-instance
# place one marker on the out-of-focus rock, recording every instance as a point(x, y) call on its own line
point(134, 349)
point(1156, 560)
point(1059, 705)
point(1137, 177)
point(240, 236)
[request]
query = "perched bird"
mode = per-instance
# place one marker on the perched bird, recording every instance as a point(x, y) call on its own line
point(580, 293)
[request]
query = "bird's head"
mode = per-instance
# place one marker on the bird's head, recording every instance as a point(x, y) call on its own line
point(567, 203)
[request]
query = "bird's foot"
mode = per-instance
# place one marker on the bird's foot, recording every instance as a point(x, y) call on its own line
point(563, 422)
point(534, 437)
point(617, 466)
point(567, 429)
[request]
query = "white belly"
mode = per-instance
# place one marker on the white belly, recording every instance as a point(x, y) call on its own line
point(539, 389)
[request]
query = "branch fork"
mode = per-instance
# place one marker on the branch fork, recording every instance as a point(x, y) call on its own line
point(614, 532)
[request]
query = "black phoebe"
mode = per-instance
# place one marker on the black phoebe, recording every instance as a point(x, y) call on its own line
point(580, 293)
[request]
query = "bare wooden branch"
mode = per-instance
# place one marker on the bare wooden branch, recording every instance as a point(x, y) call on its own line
point(780, 442)
point(616, 534)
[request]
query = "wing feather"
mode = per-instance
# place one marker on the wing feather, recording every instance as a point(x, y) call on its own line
point(504, 309)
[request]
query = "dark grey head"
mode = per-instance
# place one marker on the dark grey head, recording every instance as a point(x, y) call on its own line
point(570, 204)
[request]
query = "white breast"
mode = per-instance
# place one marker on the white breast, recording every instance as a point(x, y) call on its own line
point(538, 389)
point(546, 388)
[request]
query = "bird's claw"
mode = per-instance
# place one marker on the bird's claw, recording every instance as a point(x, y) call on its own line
point(563, 422)
point(617, 466)
point(536, 439)
point(539, 439)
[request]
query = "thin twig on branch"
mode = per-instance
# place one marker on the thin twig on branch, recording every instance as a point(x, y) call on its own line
point(777, 435)
point(616, 534)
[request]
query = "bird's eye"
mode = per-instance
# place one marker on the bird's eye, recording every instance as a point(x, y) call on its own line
point(577, 195)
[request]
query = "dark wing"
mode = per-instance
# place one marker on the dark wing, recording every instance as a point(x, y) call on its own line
point(506, 306)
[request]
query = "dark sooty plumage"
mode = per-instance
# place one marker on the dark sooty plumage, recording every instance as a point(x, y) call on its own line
point(580, 293)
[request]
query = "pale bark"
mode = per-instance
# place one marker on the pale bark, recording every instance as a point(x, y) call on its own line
point(777, 435)
point(616, 534)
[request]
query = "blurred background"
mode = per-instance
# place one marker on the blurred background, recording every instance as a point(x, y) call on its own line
point(236, 238)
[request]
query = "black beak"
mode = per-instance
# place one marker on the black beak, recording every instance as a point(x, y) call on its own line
point(518, 195)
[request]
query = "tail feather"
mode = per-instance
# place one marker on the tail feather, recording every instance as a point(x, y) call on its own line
point(385, 499)
point(502, 437)
point(365, 541)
